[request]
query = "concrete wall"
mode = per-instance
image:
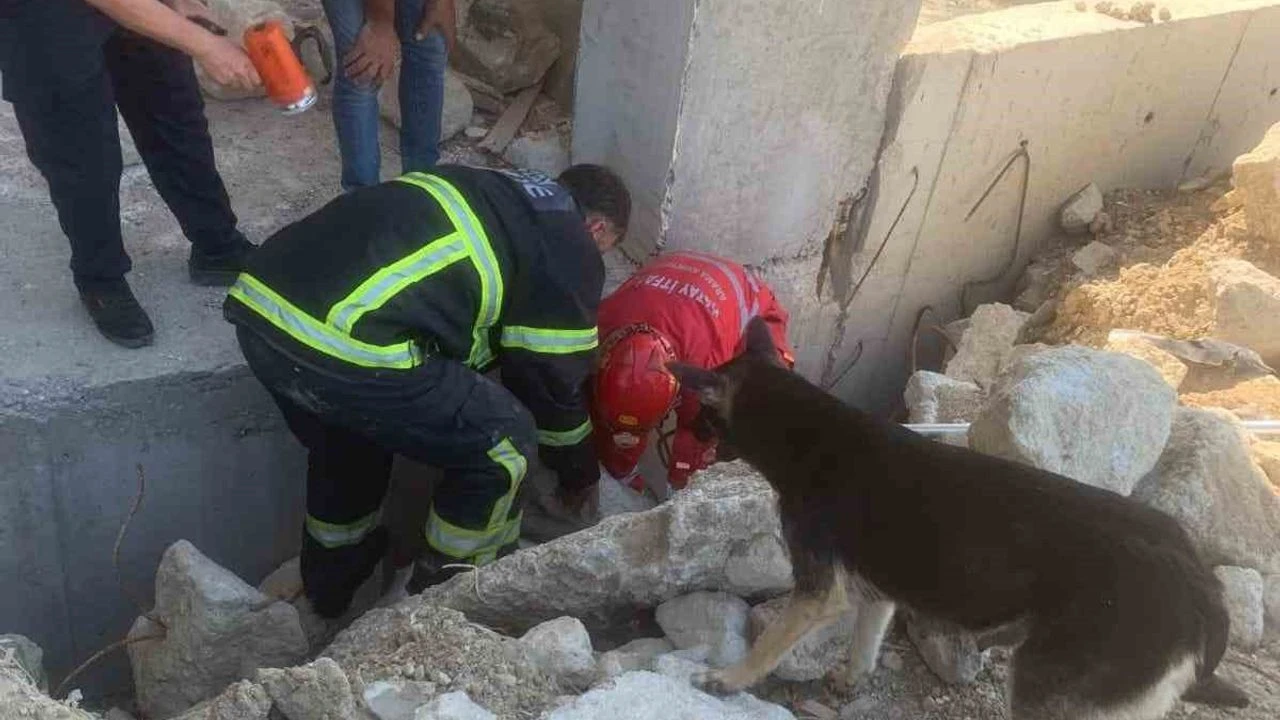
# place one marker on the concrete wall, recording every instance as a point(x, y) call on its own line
point(742, 126)
point(564, 17)
point(1094, 98)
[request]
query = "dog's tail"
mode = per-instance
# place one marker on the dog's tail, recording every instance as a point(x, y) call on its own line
point(1216, 627)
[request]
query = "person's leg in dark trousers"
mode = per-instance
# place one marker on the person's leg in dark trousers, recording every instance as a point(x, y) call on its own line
point(159, 98)
point(342, 541)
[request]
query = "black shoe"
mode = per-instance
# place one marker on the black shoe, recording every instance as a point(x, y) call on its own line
point(222, 267)
point(116, 312)
point(331, 576)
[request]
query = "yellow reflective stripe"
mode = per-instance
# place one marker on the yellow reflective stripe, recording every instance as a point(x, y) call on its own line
point(390, 280)
point(336, 535)
point(321, 337)
point(548, 341)
point(564, 438)
point(482, 258)
point(460, 542)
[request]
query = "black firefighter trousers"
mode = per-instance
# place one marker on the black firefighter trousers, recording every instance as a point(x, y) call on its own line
point(352, 422)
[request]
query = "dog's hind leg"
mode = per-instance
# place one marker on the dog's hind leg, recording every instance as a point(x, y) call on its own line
point(804, 612)
point(874, 617)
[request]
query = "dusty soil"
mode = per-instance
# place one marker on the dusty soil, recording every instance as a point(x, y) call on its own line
point(938, 10)
point(903, 688)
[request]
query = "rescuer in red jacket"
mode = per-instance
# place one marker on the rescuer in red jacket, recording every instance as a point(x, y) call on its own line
point(685, 306)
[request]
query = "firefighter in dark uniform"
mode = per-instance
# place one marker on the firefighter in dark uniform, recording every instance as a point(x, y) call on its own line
point(373, 321)
point(66, 66)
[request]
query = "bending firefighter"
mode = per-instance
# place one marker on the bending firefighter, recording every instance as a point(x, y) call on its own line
point(372, 323)
point(683, 306)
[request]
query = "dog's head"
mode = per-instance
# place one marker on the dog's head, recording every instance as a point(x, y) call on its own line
point(717, 388)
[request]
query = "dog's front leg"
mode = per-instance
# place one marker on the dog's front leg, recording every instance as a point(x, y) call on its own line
point(804, 612)
point(869, 630)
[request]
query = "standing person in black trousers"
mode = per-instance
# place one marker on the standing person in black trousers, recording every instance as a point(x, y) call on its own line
point(66, 65)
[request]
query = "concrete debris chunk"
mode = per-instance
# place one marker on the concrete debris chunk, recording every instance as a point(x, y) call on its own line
point(650, 696)
point(950, 652)
point(1094, 258)
point(935, 398)
point(454, 118)
point(1246, 305)
point(1207, 481)
point(614, 498)
point(562, 649)
point(683, 665)
point(28, 655)
point(817, 710)
point(397, 699)
point(241, 701)
point(219, 630)
point(504, 43)
point(546, 151)
point(21, 699)
point(985, 347)
point(1097, 417)
point(1271, 606)
point(1242, 591)
point(285, 582)
point(318, 691)
point(759, 567)
point(601, 574)
point(635, 655)
point(453, 706)
point(438, 645)
point(1256, 176)
point(817, 653)
point(1139, 346)
point(1037, 284)
point(1267, 454)
point(1080, 210)
point(715, 619)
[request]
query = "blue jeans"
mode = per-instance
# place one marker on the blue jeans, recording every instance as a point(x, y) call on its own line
point(355, 106)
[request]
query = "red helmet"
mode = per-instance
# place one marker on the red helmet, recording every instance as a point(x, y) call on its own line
point(634, 390)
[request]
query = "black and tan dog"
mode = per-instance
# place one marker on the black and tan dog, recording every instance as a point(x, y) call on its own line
point(1120, 616)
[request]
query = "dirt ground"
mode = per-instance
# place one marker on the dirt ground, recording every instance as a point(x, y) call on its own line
point(933, 11)
point(903, 688)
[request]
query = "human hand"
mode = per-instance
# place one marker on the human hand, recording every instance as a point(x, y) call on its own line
point(441, 15)
point(373, 57)
point(227, 63)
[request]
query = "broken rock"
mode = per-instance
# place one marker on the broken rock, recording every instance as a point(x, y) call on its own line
point(715, 619)
point(241, 701)
point(1242, 590)
point(951, 653)
point(1267, 454)
point(28, 656)
point(454, 117)
point(397, 699)
point(759, 567)
point(1256, 176)
point(683, 665)
point(1080, 210)
point(219, 630)
point(1138, 345)
point(20, 698)
point(815, 654)
point(504, 43)
point(635, 655)
point(562, 649)
point(1271, 606)
point(1207, 480)
point(1094, 258)
point(935, 398)
point(318, 691)
point(1247, 303)
point(602, 574)
point(453, 706)
point(984, 349)
point(650, 696)
point(1097, 417)
point(545, 151)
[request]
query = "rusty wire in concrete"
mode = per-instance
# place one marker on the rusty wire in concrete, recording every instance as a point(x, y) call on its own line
point(1020, 153)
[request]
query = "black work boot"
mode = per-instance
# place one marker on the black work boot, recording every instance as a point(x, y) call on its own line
point(219, 268)
point(331, 576)
point(116, 312)
point(430, 569)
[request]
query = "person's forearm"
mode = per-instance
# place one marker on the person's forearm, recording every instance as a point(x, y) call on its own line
point(157, 21)
point(380, 11)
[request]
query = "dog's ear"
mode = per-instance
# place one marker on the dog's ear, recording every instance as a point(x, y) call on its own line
point(712, 387)
point(759, 342)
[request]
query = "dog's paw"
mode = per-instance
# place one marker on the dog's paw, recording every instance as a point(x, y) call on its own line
point(718, 682)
